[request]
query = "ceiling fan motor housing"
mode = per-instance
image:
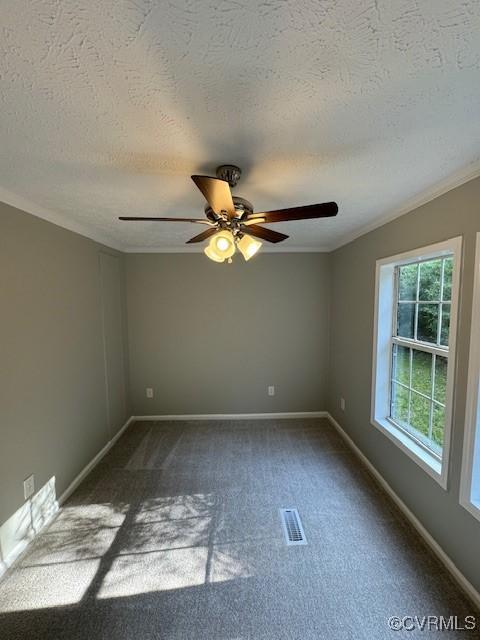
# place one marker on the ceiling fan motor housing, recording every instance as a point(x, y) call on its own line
point(243, 208)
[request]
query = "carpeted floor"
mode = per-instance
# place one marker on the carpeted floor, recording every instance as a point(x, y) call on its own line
point(177, 534)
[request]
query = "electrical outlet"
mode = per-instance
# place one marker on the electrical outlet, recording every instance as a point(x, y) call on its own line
point(342, 404)
point(271, 390)
point(29, 486)
point(149, 391)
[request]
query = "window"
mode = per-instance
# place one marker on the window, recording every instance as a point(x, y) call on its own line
point(414, 348)
point(470, 483)
point(420, 349)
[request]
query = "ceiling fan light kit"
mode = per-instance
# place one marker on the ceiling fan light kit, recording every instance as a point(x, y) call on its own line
point(230, 217)
point(222, 246)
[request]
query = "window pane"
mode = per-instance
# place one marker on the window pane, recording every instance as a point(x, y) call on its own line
point(427, 322)
point(401, 364)
point(420, 413)
point(399, 403)
point(422, 372)
point(430, 279)
point(445, 324)
point(407, 282)
point(405, 319)
point(440, 378)
point(438, 424)
point(447, 279)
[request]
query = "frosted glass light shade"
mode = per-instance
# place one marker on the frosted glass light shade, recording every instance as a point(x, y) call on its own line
point(212, 254)
point(248, 247)
point(223, 244)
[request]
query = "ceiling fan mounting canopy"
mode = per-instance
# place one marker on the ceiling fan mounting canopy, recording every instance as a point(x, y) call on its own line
point(230, 173)
point(234, 217)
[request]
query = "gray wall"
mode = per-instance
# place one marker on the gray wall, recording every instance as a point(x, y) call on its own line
point(352, 308)
point(53, 396)
point(210, 338)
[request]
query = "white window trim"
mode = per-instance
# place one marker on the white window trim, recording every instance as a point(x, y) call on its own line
point(382, 337)
point(472, 416)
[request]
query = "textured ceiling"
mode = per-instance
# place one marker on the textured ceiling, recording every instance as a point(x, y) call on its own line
point(107, 107)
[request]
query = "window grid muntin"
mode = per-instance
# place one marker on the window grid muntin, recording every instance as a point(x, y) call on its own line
point(428, 444)
point(438, 302)
point(440, 310)
point(415, 314)
point(414, 344)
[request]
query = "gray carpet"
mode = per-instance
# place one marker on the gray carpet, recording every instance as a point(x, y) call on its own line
point(176, 534)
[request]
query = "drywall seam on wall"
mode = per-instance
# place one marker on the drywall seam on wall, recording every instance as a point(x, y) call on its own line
point(462, 581)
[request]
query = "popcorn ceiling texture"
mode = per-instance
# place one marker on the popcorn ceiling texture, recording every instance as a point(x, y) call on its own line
point(106, 108)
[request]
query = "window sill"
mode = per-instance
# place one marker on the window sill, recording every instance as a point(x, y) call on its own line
point(423, 458)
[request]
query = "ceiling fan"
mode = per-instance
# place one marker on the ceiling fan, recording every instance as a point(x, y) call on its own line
point(231, 220)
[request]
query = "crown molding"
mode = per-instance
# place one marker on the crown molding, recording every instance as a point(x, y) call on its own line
point(199, 249)
point(25, 205)
point(455, 180)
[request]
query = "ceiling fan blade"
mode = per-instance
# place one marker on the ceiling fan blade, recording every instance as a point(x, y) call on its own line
point(195, 220)
point(324, 210)
point(203, 236)
point(217, 193)
point(265, 234)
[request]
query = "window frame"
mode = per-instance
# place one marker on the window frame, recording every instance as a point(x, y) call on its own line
point(472, 416)
point(383, 339)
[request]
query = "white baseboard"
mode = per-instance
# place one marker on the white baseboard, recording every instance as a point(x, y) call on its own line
point(233, 416)
point(25, 524)
point(93, 463)
point(21, 546)
point(458, 576)
point(34, 515)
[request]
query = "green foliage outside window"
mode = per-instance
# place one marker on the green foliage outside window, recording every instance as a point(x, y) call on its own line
point(419, 377)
